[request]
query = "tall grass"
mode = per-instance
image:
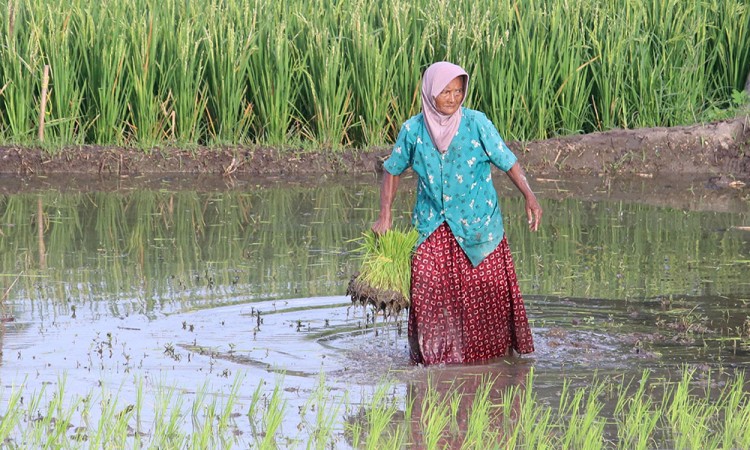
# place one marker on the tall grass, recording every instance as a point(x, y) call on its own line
point(229, 40)
point(275, 77)
point(651, 413)
point(303, 73)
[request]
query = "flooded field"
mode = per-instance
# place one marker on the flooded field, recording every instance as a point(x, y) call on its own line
point(203, 295)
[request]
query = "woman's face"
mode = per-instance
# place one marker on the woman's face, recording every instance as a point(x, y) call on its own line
point(449, 100)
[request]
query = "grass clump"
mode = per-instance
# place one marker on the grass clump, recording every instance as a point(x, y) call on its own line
point(384, 279)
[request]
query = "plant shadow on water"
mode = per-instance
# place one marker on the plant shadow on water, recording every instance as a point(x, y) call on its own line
point(234, 295)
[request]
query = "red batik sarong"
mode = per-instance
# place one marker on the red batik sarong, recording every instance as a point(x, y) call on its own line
point(460, 313)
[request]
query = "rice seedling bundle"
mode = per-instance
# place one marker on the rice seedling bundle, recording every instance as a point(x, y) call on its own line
point(384, 279)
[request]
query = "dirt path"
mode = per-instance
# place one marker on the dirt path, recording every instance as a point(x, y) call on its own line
point(721, 149)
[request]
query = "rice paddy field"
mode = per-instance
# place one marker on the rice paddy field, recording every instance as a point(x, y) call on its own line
point(314, 74)
point(208, 312)
point(182, 312)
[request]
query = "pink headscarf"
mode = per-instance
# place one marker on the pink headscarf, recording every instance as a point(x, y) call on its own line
point(442, 128)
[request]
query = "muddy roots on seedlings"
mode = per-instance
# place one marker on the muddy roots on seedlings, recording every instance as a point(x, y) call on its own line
point(385, 274)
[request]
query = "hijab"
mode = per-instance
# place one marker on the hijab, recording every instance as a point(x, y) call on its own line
point(441, 128)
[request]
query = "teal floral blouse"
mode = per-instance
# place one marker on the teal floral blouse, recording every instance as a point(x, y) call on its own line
point(455, 186)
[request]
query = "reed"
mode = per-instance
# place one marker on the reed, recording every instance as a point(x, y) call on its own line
point(298, 74)
point(637, 416)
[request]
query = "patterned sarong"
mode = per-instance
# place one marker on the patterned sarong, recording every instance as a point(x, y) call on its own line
point(460, 313)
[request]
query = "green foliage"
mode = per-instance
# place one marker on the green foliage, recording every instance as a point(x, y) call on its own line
point(386, 260)
point(347, 73)
point(739, 103)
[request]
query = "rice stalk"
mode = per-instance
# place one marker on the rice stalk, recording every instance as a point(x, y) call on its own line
point(229, 42)
point(273, 416)
point(435, 414)
point(328, 95)
point(22, 62)
point(275, 77)
point(637, 417)
point(66, 98)
point(104, 67)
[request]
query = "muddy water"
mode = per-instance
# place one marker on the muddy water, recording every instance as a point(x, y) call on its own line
point(200, 283)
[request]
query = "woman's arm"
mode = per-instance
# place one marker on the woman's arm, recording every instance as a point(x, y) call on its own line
point(387, 194)
point(533, 210)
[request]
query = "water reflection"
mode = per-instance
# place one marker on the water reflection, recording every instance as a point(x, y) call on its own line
point(155, 250)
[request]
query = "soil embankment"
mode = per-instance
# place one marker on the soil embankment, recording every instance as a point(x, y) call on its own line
point(721, 149)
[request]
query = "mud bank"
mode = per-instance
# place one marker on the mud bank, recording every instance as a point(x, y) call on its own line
point(720, 148)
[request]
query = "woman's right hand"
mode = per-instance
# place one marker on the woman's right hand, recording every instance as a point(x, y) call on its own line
point(381, 225)
point(387, 193)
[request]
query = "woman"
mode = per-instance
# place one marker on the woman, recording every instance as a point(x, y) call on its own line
point(465, 302)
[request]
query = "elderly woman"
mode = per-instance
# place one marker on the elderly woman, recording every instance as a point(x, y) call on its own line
point(465, 302)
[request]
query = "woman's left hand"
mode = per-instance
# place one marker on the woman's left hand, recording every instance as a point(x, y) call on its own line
point(533, 212)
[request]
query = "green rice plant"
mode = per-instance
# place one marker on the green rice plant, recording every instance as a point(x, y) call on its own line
point(327, 412)
point(535, 94)
point(667, 77)
point(275, 77)
point(273, 416)
point(254, 412)
point(379, 418)
point(573, 85)
point(229, 42)
point(371, 51)
point(637, 416)
point(112, 426)
point(224, 418)
point(104, 67)
point(187, 95)
point(688, 417)
point(610, 38)
point(489, 83)
point(348, 73)
point(435, 414)
point(409, 44)
point(730, 31)
point(584, 428)
point(22, 67)
point(211, 420)
point(12, 416)
point(532, 422)
point(386, 260)
point(146, 68)
point(203, 423)
point(167, 428)
point(735, 409)
point(327, 95)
